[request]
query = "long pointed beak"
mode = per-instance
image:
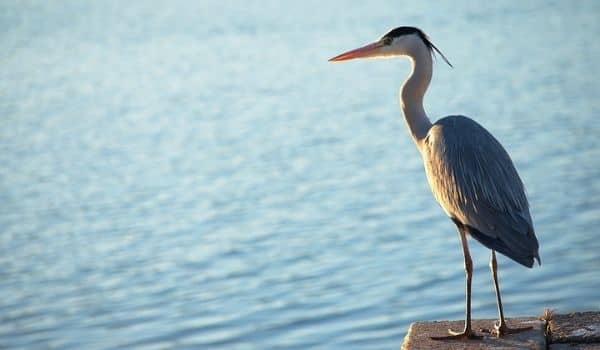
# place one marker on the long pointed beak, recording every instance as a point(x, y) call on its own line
point(370, 50)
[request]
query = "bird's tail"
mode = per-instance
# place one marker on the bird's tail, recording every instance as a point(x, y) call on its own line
point(524, 257)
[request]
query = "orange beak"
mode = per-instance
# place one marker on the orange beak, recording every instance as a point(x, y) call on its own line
point(370, 50)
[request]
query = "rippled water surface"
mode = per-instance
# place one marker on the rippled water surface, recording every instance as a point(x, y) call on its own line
point(194, 174)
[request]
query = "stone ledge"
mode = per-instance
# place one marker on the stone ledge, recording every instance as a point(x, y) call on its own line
point(579, 330)
point(565, 346)
point(420, 333)
point(577, 327)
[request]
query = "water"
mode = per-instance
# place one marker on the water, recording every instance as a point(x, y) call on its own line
point(196, 175)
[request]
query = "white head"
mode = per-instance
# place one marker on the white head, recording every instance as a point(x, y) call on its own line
point(402, 41)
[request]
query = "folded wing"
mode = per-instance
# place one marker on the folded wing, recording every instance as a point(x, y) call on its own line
point(474, 180)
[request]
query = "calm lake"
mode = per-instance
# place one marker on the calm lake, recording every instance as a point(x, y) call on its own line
point(195, 174)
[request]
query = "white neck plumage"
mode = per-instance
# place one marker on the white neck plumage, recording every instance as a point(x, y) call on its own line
point(413, 90)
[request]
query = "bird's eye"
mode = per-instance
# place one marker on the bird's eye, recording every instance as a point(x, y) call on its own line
point(387, 41)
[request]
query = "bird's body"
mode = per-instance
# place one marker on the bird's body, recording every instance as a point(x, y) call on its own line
point(474, 180)
point(470, 174)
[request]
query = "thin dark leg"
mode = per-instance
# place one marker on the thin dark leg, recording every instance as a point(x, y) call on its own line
point(500, 328)
point(467, 332)
point(494, 268)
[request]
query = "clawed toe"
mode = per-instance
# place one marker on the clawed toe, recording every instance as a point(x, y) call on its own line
point(454, 335)
point(503, 329)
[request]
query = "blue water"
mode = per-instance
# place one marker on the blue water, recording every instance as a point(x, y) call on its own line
point(194, 174)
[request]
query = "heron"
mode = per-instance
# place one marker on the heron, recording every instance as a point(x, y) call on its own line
point(471, 175)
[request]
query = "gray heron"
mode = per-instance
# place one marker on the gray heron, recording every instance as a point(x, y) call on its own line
point(470, 174)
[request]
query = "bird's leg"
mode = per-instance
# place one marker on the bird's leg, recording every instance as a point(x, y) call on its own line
point(467, 332)
point(500, 328)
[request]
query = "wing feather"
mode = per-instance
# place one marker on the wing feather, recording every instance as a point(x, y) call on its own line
point(474, 180)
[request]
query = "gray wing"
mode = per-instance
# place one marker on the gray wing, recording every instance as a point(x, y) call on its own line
point(474, 180)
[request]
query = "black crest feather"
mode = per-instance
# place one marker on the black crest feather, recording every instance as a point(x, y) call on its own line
point(400, 31)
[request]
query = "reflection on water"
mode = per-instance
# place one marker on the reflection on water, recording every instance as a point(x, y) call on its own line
point(197, 175)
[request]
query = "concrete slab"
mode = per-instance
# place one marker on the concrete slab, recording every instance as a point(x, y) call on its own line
point(580, 346)
point(420, 333)
point(576, 327)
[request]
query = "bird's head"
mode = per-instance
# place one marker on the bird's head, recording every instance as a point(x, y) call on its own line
point(401, 41)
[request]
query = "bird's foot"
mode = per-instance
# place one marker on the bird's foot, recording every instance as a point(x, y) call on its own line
point(501, 329)
point(467, 333)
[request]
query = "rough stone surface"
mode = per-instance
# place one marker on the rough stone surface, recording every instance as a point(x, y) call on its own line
point(577, 327)
point(580, 346)
point(420, 333)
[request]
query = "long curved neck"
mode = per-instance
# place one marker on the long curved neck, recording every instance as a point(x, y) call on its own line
point(412, 92)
